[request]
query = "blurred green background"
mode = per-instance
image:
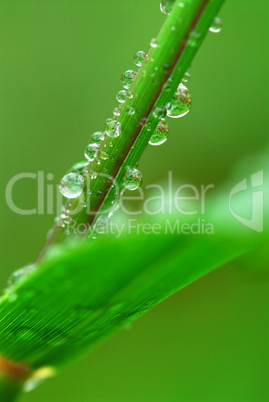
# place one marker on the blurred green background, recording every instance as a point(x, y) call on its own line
point(60, 72)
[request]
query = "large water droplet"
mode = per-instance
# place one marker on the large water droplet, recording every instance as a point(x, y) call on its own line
point(91, 151)
point(180, 104)
point(128, 78)
point(160, 134)
point(71, 185)
point(122, 96)
point(139, 58)
point(167, 6)
point(113, 128)
point(132, 179)
point(216, 25)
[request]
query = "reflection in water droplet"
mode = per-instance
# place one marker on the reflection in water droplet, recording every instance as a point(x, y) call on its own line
point(160, 134)
point(139, 58)
point(132, 179)
point(91, 151)
point(167, 6)
point(122, 96)
point(128, 78)
point(71, 185)
point(97, 137)
point(113, 128)
point(180, 103)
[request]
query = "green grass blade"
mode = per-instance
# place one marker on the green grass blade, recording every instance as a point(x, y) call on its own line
point(178, 42)
point(82, 293)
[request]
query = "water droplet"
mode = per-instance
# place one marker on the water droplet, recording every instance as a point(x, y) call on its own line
point(139, 58)
point(128, 78)
point(71, 185)
point(160, 134)
point(186, 77)
point(130, 94)
point(216, 25)
point(91, 151)
point(116, 111)
point(79, 167)
point(122, 96)
point(166, 67)
point(97, 137)
point(159, 112)
point(166, 86)
point(20, 274)
point(131, 110)
point(167, 6)
point(113, 128)
point(103, 155)
point(132, 179)
point(154, 43)
point(180, 103)
point(194, 38)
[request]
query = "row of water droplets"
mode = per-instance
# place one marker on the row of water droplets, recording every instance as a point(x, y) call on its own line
point(72, 184)
point(166, 7)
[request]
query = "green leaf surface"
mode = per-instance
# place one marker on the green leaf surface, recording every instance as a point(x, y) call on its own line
point(84, 291)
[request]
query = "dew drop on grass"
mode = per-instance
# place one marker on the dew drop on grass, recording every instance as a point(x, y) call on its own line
point(128, 78)
point(159, 112)
point(180, 104)
point(194, 38)
point(186, 77)
point(71, 185)
point(79, 167)
point(113, 128)
point(116, 111)
point(154, 43)
point(132, 179)
point(122, 96)
point(167, 6)
point(160, 134)
point(103, 155)
point(131, 110)
point(97, 137)
point(139, 58)
point(91, 151)
point(216, 25)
